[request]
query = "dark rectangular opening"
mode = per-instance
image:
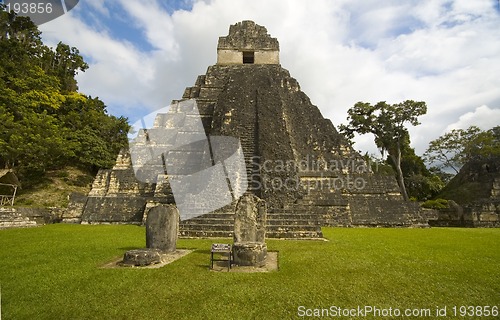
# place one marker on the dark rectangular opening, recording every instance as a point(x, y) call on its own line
point(248, 57)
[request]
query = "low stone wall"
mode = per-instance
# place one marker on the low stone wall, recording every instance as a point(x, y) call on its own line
point(479, 214)
point(118, 209)
point(485, 214)
point(28, 217)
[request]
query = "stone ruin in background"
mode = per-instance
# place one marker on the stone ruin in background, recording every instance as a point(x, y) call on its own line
point(306, 172)
point(474, 195)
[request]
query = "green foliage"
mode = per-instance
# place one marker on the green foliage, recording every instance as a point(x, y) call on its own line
point(94, 138)
point(436, 204)
point(64, 63)
point(44, 123)
point(56, 271)
point(486, 145)
point(424, 187)
point(444, 176)
point(379, 166)
point(455, 148)
point(387, 123)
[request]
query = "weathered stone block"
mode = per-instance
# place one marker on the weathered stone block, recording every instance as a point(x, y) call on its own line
point(250, 254)
point(162, 227)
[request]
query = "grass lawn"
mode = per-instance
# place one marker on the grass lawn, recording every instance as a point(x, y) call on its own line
point(53, 272)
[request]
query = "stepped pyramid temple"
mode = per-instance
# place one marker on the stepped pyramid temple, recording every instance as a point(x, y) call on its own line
point(295, 160)
point(475, 191)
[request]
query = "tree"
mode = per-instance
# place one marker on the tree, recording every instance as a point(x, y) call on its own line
point(455, 148)
point(387, 123)
point(420, 183)
point(485, 145)
point(95, 138)
point(449, 150)
point(44, 123)
point(64, 63)
point(19, 28)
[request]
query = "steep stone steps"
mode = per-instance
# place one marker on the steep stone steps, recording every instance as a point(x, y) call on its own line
point(214, 224)
point(293, 223)
point(289, 224)
point(206, 91)
point(205, 234)
point(324, 212)
point(247, 140)
point(212, 215)
point(228, 227)
point(208, 221)
point(297, 220)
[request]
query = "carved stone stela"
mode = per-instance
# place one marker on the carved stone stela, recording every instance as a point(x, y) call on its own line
point(250, 247)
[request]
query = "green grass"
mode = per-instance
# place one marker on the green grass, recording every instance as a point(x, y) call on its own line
point(53, 272)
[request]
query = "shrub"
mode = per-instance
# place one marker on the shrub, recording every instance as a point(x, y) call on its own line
point(436, 204)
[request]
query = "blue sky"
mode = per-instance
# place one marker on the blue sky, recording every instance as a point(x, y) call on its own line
point(142, 54)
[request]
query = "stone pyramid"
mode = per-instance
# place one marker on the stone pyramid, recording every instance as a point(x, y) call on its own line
point(295, 159)
point(476, 192)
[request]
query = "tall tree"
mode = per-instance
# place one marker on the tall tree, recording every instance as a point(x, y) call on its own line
point(65, 63)
point(453, 149)
point(449, 150)
point(387, 123)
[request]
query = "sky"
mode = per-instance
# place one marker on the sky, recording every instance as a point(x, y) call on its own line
point(143, 54)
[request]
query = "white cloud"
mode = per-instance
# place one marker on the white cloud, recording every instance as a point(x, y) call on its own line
point(446, 53)
point(156, 23)
point(483, 117)
point(119, 72)
point(99, 6)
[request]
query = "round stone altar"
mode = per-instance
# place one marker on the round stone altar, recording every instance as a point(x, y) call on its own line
point(141, 257)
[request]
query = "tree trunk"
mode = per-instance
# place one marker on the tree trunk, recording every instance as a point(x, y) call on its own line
point(399, 174)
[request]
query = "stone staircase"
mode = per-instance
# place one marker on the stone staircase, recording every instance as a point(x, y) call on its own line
point(249, 145)
point(304, 218)
point(292, 223)
point(217, 224)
